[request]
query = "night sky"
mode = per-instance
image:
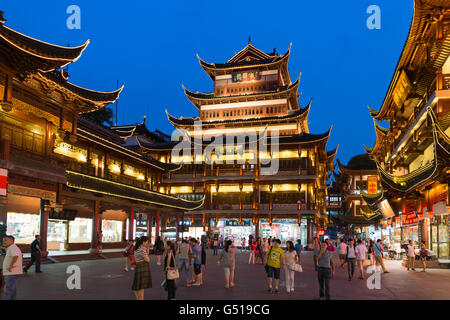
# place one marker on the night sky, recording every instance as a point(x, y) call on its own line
point(151, 47)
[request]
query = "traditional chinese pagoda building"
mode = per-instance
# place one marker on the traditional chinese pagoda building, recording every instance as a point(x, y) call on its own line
point(355, 182)
point(412, 154)
point(64, 177)
point(253, 97)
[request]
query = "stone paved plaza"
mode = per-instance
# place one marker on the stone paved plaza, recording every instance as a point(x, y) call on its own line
point(106, 279)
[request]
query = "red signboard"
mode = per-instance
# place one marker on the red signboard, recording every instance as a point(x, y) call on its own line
point(3, 182)
point(372, 185)
point(410, 218)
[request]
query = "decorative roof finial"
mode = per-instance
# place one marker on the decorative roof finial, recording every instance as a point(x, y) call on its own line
point(250, 39)
point(2, 19)
point(145, 118)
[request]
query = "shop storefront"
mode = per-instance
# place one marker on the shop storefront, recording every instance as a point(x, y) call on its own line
point(411, 233)
point(115, 228)
point(187, 229)
point(80, 230)
point(23, 227)
point(285, 230)
point(141, 228)
point(371, 233)
point(232, 229)
point(23, 213)
point(439, 230)
point(112, 231)
point(438, 236)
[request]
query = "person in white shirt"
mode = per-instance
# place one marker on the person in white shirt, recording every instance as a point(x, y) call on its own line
point(12, 267)
point(342, 252)
point(361, 254)
point(351, 258)
point(411, 255)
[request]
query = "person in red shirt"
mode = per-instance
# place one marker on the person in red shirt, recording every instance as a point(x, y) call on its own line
point(330, 246)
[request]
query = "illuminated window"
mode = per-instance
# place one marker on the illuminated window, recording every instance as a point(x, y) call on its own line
point(80, 230)
point(22, 226)
point(112, 230)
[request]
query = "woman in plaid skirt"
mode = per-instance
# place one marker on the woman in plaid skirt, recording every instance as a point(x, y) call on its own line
point(142, 275)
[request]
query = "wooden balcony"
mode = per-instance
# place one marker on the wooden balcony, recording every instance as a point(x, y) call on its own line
point(90, 170)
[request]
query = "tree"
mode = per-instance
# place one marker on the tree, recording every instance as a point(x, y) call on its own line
point(102, 116)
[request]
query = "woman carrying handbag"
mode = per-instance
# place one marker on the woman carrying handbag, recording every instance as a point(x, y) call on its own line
point(171, 270)
point(292, 266)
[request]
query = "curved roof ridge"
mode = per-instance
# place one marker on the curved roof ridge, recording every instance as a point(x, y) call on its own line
point(41, 49)
point(210, 95)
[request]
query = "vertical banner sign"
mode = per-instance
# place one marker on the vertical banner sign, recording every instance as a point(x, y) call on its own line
point(372, 185)
point(3, 182)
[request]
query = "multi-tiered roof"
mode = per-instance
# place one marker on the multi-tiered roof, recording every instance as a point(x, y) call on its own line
point(40, 61)
point(227, 98)
point(408, 100)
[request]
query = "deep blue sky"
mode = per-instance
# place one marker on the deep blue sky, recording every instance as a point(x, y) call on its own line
point(151, 46)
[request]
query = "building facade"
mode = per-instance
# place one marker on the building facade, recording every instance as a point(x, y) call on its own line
point(249, 152)
point(64, 177)
point(412, 154)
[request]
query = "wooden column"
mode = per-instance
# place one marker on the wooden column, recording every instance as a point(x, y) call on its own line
point(6, 145)
point(149, 227)
point(3, 210)
point(309, 231)
point(44, 223)
point(131, 219)
point(158, 222)
point(95, 224)
point(257, 228)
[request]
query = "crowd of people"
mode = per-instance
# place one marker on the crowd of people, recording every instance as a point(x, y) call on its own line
point(185, 260)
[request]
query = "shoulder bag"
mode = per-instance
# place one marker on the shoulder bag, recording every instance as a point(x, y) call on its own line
point(296, 267)
point(172, 273)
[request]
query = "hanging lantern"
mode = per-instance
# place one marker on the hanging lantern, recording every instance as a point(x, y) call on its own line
point(192, 219)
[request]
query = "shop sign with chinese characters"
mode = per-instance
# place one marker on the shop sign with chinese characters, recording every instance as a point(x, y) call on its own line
point(372, 185)
point(410, 218)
